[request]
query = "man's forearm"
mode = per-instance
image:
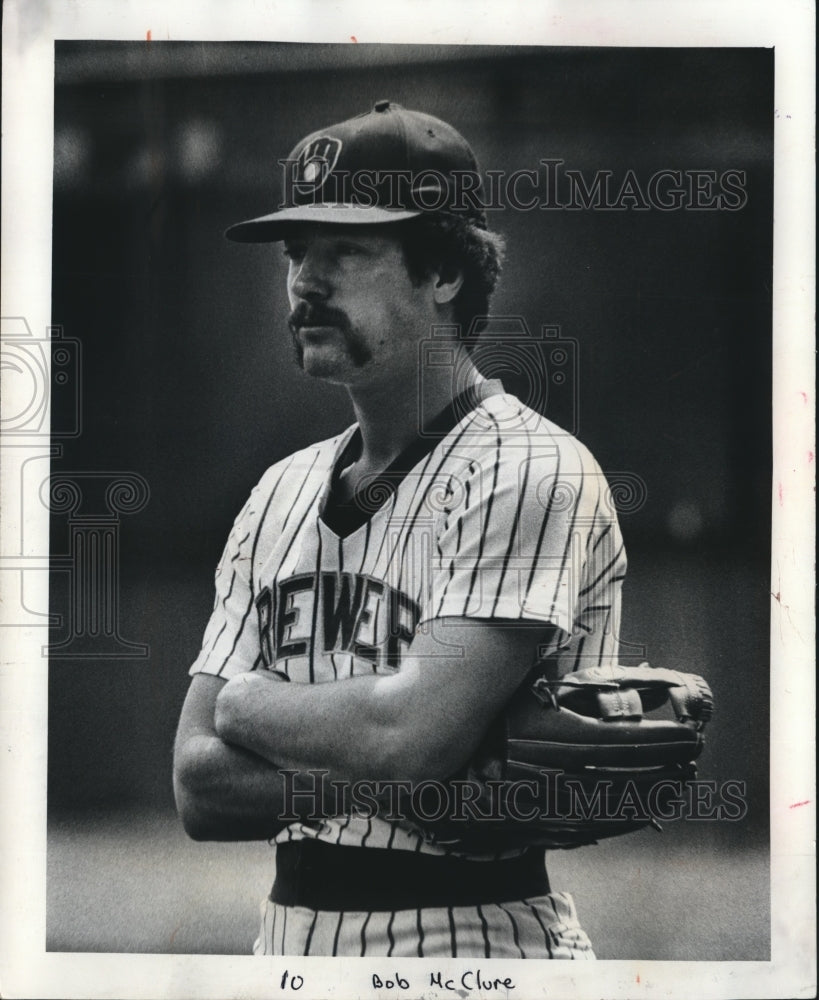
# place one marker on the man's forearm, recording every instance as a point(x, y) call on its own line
point(225, 792)
point(346, 727)
point(422, 722)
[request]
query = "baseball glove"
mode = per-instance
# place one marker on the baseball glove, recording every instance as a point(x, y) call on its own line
point(572, 761)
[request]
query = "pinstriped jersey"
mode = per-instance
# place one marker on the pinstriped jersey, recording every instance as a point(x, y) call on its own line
point(505, 517)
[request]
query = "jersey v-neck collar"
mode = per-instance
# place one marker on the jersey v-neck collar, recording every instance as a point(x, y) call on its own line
point(343, 517)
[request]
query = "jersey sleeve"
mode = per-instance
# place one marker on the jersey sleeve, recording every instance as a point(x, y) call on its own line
point(230, 644)
point(513, 540)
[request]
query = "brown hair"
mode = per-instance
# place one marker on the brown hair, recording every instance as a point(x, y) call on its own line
point(439, 242)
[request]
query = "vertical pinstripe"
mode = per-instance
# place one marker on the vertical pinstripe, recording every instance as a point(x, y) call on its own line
point(272, 934)
point(515, 934)
point(482, 540)
point(364, 934)
point(390, 936)
point(246, 615)
point(513, 532)
point(310, 933)
point(487, 951)
point(546, 936)
point(453, 937)
point(313, 629)
point(543, 526)
point(335, 950)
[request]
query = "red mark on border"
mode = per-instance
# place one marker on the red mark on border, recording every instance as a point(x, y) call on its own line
point(353, 38)
point(638, 977)
point(795, 805)
point(804, 396)
point(781, 496)
point(148, 35)
point(810, 457)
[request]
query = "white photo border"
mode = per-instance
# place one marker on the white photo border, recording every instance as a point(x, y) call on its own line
point(29, 32)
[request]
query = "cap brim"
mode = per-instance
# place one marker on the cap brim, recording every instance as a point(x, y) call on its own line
point(270, 228)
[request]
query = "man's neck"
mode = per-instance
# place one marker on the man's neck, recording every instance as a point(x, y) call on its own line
point(390, 415)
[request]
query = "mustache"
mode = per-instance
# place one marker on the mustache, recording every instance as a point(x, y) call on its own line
point(311, 314)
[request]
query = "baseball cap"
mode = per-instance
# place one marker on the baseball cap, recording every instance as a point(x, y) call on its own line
point(385, 165)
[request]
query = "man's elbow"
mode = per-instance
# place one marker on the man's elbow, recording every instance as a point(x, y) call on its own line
point(191, 787)
point(194, 820)
point(193, 814)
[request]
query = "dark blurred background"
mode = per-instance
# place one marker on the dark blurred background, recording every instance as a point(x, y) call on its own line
point(187, 381)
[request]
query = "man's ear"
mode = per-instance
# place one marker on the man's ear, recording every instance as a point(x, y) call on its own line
point(447, 282)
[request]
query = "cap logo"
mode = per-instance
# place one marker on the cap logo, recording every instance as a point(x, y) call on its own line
point(316, 161)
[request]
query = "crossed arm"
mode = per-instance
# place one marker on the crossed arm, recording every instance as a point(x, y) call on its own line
point(419, 723)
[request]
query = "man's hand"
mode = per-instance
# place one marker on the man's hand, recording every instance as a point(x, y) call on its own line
point(239, 710)
point(223, 791)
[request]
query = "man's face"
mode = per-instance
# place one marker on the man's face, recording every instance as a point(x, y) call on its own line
point(356, 316)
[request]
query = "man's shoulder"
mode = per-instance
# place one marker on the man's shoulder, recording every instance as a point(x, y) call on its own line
point(315, 459)
point(289, 477)
point(519, 431)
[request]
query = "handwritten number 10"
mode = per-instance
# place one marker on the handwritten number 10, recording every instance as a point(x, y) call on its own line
point(296, 982)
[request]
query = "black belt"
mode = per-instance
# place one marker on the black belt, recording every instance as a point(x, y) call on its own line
point(324, 876)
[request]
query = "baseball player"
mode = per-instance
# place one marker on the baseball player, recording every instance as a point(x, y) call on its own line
point(404, 576)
